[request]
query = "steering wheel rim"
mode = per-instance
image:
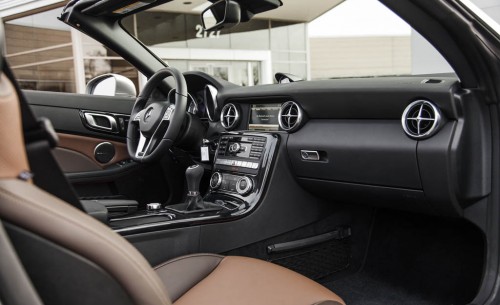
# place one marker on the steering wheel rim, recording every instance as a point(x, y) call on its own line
point(152, 130)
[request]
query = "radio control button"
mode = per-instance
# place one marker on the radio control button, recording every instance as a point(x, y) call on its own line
point(255, 165)
point(234, 148)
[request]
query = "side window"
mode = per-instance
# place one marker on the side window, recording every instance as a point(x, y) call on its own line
point(47, 55)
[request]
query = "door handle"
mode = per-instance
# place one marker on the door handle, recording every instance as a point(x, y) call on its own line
point(100, 121)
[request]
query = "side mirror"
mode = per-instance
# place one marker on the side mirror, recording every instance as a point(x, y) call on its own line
point(111, 85)
point(221, 14)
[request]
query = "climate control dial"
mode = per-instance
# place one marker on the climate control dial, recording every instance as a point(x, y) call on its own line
point(216, 180)
point(244, 186)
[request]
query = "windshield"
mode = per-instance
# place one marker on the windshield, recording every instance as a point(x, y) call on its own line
point(319, 40)
point(311, 39)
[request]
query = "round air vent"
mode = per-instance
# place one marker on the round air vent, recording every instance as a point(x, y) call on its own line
point(290, 116)
point(230, 116)
point(421, 119)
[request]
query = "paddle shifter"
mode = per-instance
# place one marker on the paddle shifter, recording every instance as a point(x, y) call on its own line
point(194, 201)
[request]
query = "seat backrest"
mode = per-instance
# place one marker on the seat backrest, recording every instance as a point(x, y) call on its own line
point(70, 257)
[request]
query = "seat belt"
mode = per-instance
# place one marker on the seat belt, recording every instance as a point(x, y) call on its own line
point(40, 138)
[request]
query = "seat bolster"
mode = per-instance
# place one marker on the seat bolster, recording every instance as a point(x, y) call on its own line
point(183, 273)
point(248, 281)
point(26, 206)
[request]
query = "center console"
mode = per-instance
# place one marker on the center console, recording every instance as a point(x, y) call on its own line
point(241, 166)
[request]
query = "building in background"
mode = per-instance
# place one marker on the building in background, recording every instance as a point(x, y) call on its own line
point(45, 54)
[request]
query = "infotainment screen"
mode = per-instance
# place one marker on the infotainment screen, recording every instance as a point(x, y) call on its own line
point(264, 117)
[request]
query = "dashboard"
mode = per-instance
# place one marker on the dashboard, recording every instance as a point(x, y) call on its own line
point(394, 142)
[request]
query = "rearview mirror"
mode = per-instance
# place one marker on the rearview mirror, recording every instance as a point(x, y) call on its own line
point(221, 14)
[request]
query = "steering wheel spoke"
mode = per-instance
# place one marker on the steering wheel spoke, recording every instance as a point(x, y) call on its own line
point(168, 114)
point(141, 146)
point(156, 124)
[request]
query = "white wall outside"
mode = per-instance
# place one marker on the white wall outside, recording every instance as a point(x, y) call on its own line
point(425, 59)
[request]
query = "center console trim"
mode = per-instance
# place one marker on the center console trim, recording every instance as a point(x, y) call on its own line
point(260, 176)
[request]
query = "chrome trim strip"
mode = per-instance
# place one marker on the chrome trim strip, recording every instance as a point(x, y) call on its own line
point(213, 93)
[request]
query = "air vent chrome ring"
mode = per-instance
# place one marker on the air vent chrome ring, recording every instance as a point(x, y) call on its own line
point(421, 119)
point(230, 116)
point(290, 116)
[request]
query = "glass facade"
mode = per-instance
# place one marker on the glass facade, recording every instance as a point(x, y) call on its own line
point(45, 54)
point(41, 53)
point(285, 42)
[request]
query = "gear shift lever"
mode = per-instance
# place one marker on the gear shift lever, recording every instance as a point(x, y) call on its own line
point(193, 176)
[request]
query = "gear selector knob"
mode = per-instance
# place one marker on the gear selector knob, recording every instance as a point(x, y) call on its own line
point(194, 174)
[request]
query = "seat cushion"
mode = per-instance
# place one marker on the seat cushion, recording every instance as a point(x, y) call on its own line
point(183, 273)
point(240, 280)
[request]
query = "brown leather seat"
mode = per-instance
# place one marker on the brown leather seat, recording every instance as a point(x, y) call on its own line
point(73, 259)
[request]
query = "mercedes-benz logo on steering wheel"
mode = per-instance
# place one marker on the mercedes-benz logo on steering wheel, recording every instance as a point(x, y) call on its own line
point(148, 114)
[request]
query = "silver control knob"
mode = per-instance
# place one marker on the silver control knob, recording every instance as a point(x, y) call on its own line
point(215, 180)
point(153, 207)
point(234, 148)
point(244, 186)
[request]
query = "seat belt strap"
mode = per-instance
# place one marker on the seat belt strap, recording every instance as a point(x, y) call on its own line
point(40, 138)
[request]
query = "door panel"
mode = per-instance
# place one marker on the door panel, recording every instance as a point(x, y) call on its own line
point(78, 153)
point(118, 177)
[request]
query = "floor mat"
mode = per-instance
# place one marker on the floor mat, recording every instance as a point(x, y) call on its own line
point(318, 261)
point(414, 259)
point(363, 289)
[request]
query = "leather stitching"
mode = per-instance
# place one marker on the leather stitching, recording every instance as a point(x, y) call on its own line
point(188, 257)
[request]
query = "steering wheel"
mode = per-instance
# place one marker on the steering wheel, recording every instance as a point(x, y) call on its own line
point(154, 127)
